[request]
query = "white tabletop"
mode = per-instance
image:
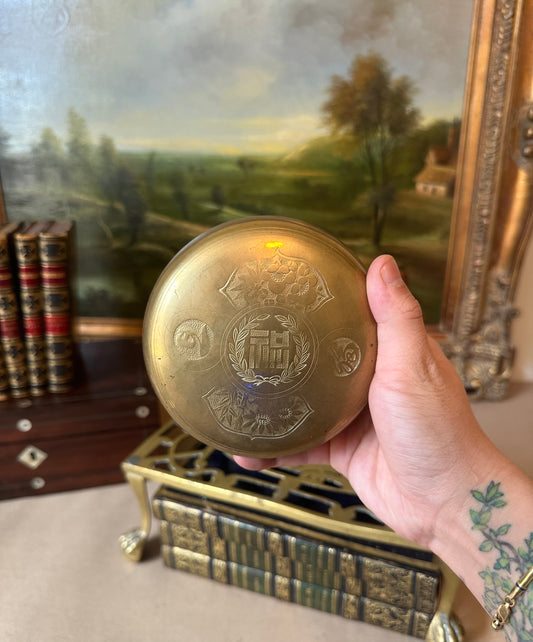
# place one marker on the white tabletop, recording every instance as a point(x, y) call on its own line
point(63, 577)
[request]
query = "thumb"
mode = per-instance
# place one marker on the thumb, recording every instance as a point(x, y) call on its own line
point(402, 336)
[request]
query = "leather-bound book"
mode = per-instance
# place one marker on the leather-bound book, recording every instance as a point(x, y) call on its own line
point(371, 611)
point(397, 581)
point(31, 303)
point(11, 333)
point(54, 253)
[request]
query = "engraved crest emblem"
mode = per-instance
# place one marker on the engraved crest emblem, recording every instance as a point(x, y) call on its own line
point(269, 348)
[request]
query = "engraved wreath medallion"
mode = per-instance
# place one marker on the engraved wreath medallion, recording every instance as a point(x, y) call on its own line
point(272, 343)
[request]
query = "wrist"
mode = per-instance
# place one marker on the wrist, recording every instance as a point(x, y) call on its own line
point(483, 521)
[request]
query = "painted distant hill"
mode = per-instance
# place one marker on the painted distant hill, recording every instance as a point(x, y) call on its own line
point(326, 153)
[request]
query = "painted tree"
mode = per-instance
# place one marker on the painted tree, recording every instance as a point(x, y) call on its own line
point(376, 111)
point(107, 168)
point(218, 197)
point(246, 165)
point(49, 158)
point(149, 179)
point(180, 192)
point(129, 194)
point(79, 149)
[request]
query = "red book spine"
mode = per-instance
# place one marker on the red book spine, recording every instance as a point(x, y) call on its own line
point(11, 333)
point(54, 256)
point(31, 303)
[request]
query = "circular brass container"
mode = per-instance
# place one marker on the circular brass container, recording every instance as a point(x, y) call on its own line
point(258, 338)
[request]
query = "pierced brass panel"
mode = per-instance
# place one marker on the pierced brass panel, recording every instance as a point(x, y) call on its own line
point(315, 496)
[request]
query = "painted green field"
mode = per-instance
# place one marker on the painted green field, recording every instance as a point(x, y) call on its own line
point(185, 195)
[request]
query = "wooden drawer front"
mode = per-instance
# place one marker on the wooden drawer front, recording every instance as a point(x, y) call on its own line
point(79, 461)
point(71, 416)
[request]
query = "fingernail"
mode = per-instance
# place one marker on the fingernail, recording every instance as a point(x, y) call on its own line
point(390, 273)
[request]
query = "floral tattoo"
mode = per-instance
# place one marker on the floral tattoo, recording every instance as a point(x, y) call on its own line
point(511, 563)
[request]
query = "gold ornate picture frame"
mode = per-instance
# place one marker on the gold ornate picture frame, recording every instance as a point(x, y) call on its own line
point(493, 205)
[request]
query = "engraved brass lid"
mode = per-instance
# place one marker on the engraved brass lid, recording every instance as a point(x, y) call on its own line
point(258, 338)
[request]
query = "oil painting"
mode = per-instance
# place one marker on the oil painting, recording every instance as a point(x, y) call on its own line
point(148, 122)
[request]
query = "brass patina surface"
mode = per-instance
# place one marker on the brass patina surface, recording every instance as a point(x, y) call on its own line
point(258, 338)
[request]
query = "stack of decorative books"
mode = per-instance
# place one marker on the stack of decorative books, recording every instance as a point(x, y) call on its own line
point(386, 588)
point(35, 308)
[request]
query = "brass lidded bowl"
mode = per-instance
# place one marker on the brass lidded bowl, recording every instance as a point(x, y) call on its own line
point(258, 338)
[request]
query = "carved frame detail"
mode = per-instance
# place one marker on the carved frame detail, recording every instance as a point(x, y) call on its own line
point(493, 208)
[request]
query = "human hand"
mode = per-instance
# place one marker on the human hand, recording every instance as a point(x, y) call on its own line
point(411, 455)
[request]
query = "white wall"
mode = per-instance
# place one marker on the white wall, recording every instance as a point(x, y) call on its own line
point(522, 326)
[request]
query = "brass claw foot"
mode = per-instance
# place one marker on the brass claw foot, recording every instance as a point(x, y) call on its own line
point(132, 544)
point(445, 628)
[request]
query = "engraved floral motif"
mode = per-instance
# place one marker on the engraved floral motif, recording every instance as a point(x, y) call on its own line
point(243, 413)
point(279, 280)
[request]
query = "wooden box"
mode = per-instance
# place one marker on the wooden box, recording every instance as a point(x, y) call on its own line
point(78, 439)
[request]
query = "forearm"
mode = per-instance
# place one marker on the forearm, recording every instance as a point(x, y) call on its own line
point(486, 537)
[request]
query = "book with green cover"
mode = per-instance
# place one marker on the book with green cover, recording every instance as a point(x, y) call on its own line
point(231, 551)
point(231, 538)
point(403, 620)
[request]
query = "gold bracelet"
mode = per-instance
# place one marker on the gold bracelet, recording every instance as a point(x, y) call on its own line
point(505, 610)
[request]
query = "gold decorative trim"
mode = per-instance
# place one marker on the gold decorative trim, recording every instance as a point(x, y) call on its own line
point(102, 327)
point(493, 208)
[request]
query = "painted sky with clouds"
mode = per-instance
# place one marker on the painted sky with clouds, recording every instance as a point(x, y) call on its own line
point(232, 76)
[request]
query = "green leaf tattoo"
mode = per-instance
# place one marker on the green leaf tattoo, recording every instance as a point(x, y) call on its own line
point(510, 564)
